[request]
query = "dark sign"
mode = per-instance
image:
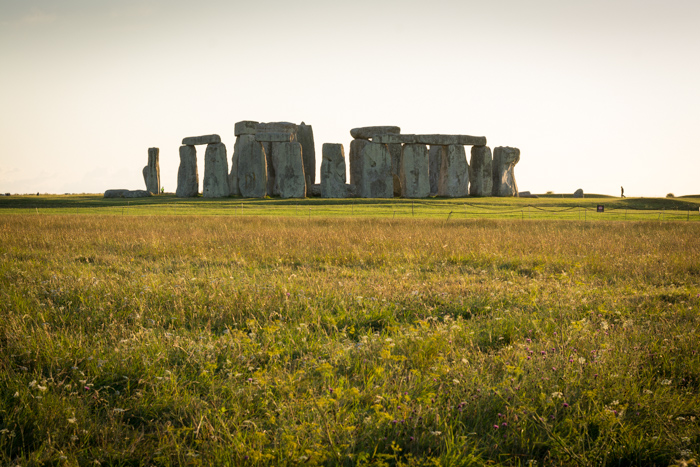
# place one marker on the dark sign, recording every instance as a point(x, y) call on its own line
point(601, 208)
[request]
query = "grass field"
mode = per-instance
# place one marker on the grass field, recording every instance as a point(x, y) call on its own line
point(545, 207)
point(349, 338)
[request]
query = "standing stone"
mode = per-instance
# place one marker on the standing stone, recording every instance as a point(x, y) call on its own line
point(356, 147)
point(454, 172)
point(151, 173)
point(290, 170)
point(187, 175)
point(215, 183)
point(333, 171)
point(504, 160)
point(415, 181)
point(305, 136)
point(377, 181)
point(233, 188)
point(578, 193)
point(252, 167)
point(395, 150)
point(274, 127)
point(480, 171)
point(435, 155)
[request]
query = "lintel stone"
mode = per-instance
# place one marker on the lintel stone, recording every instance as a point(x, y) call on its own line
point(441, 140)
point(246, 127)
point(206, 139)
point(367, 132)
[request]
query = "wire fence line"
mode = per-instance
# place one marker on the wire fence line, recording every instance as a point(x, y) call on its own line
point(446, 211)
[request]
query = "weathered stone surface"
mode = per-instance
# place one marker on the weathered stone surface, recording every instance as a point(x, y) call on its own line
point(333, 171)
point(578, 193)
point(122, 193)
point(442, 140)
point(376, 180)
point(504, 160)
point(206, 139)
point(415, 178)
point(215, 183)
point(277, 127)
point(315, 188)
point(305, 137)
point(352, 190)
point(233, 189)
point(267, 147)
point(435, 155)
point(395, 151)
point(252, 167)
point(151, 173)
point(480, 171)
point(245, 127)
point(367, 132)
point(356, 147)
point(289, 170)
point(187, 175)
point(454, 172)
point(274, 137)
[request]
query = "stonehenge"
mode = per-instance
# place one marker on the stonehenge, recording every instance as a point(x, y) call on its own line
point(279, 159)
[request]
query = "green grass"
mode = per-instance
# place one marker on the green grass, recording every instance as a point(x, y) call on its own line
point(277, 340)
point(546, 207)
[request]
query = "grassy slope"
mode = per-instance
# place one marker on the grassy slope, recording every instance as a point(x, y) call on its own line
point(170, 340)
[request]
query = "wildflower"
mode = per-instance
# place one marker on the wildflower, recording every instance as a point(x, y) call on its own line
point(581, 360)
point(666, 382)
point(557, 395)
point(495, 427)
point(72, 420)
point(565, 405)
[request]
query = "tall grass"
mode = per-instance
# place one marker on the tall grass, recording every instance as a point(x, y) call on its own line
point(184, 340)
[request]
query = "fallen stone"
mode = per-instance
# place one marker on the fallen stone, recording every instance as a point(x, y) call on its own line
point(274, 137)
point(245, 127)
point(480, 171)
point(215, 183)
point(151, 173)
point(376, 171)
point(333, 171)
point(442, 140)
point(187, 175)
point(195, 140)
point(356, 147)
point(315, 188)
point(524, 194)
point(367, 132)
point(414, 174)
point(289, 170)
point(120, 193)
point(578, 193)
point(252, 167)
point(435, 155)
point(504, 160)
point(305, 137)
point(454, 173)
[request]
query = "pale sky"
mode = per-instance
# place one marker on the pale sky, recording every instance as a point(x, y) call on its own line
point(596, 94)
